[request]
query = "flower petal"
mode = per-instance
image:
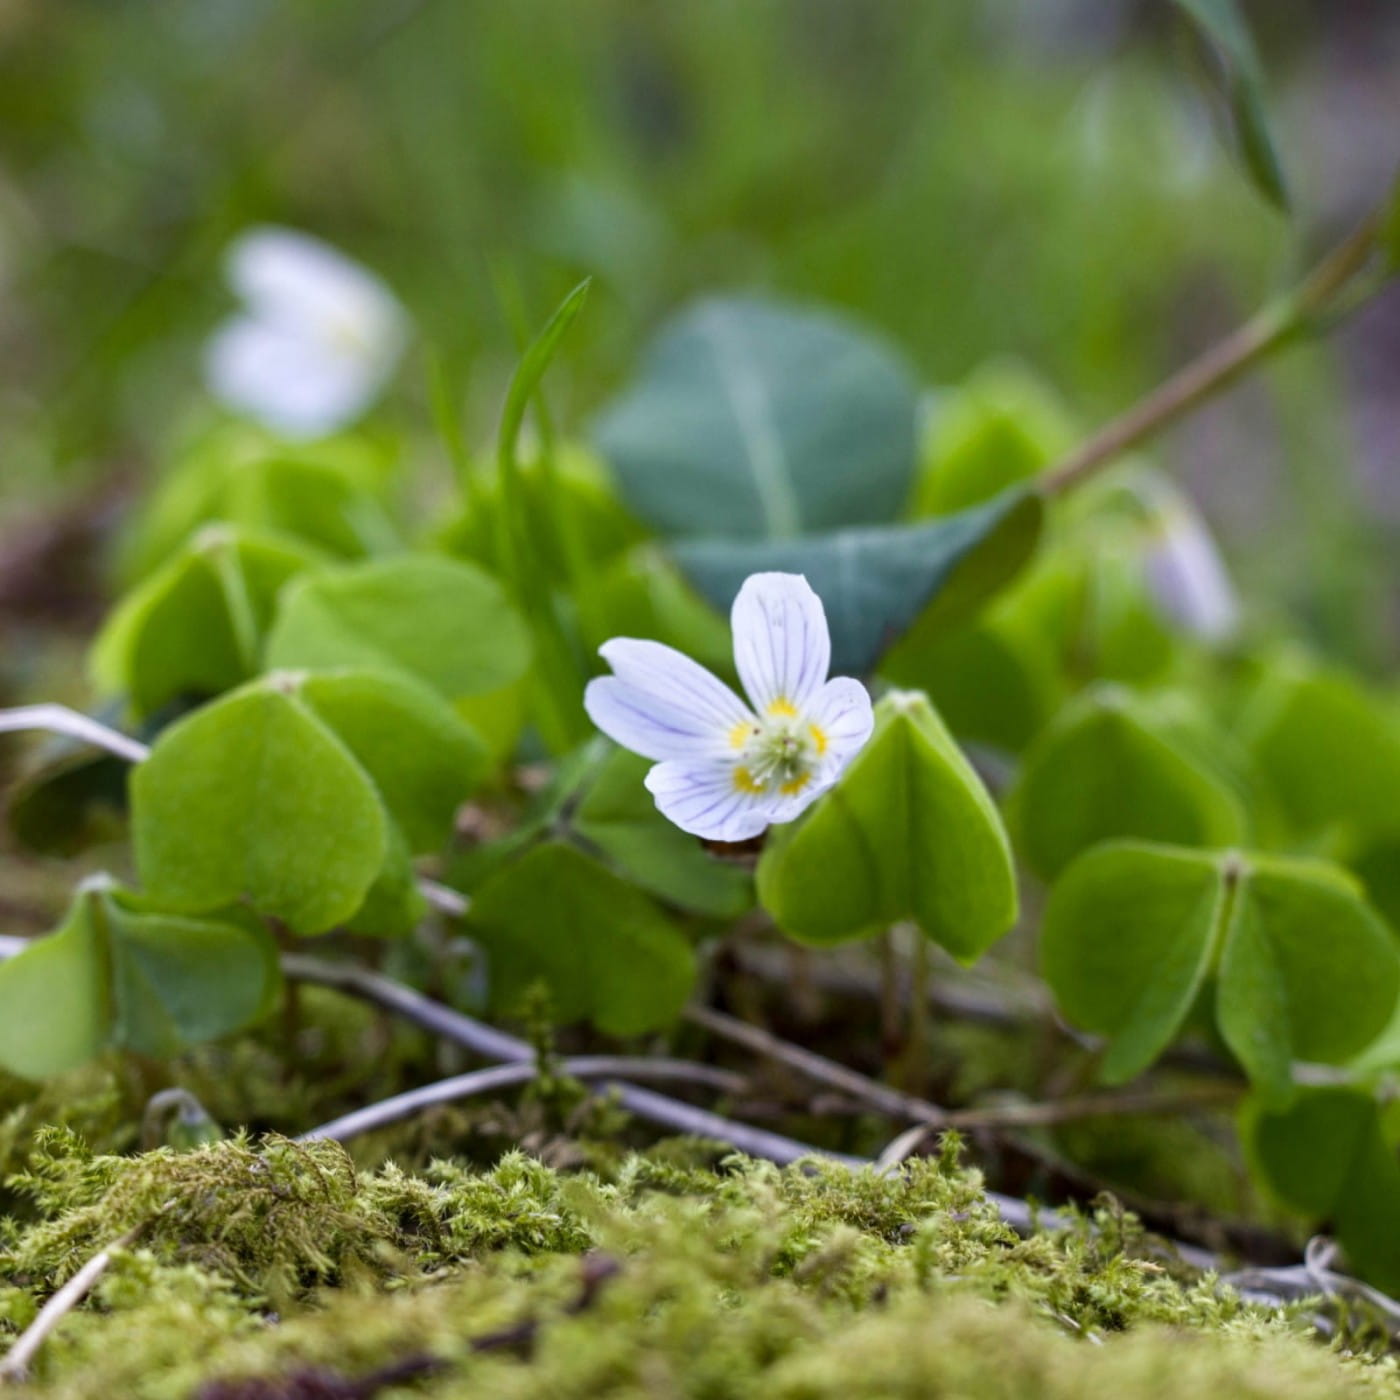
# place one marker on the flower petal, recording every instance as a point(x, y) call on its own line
point(1188, 579)
point(288, 381)
point(844, 718)
point(706, 800)
point(661, 704)
point(297, 280)
point(782, 647)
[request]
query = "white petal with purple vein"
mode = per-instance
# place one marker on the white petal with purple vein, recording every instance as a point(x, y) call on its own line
point(704, 799)
point(782, 646)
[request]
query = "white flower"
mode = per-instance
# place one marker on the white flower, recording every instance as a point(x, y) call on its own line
point(1185, 574)
point(726, 770)
point(316, 339)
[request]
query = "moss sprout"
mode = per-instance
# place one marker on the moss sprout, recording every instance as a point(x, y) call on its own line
point(263, 1258)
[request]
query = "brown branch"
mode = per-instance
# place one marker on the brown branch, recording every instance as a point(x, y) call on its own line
point(820, 1070)
point(493, 1044)
point(1221, 365)
point(485, 1081)
point(15, 1366)
point(1142, 1103)
point(1268, 1287)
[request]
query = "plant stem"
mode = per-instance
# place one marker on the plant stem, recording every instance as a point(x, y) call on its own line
point(59, 719)
point(916, 1048)
point(891, 1001)
point(15, 1366)
point(494, 1044)
point(1225, 362)
point(497, 1077)
point(817, 1068)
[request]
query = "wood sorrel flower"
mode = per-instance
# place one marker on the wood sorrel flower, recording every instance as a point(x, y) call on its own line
point(316, 339)
point(1185, 574)
point(726, 770)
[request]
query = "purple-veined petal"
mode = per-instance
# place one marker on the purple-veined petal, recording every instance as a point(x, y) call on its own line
point(843, 719)
point(782, 647)
point(661, 704)
point(707, 799)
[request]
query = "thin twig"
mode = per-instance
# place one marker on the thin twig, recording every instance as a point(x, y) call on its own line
point(59, 719)
point(404, 1001)
point(485, 1081)
point(444, 898)
point(1268, 1287)
point(1203, 378)
point(14, 1368)
point(946, 996)
point(1035, 1115)
point(1144, 1103)
point(1222, 364)
point(932, 1118)
point(818, 1068)
point(652, 1107)
point(497, 1045)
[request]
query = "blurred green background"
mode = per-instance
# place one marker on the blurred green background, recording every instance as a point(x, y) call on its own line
point(978, 178)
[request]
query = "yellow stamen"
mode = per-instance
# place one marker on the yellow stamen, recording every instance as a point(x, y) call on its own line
point(741, 734)
point(819, 738)
point(744, 781)
point(791, 789)
point(782, 706)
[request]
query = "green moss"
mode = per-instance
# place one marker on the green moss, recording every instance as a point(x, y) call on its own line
point(259, 1258)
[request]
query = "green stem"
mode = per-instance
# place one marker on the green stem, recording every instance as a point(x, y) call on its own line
point(561, 670)
point(448, 422)
point(1225, 362)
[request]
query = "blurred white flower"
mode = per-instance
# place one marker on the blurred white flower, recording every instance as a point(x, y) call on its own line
point(726, 770)
point(1185, 574)
point(315, 341)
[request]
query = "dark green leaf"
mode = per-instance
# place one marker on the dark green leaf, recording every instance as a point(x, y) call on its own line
point(879, 583)
point(908, 833)
point(1390, 228)
point(1328, 1157)
point(1224, 30)
point(253, 797)
point(123, 975)
point(753, 419)
point(447, 623)
point(603, 949)
point(74, 798)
